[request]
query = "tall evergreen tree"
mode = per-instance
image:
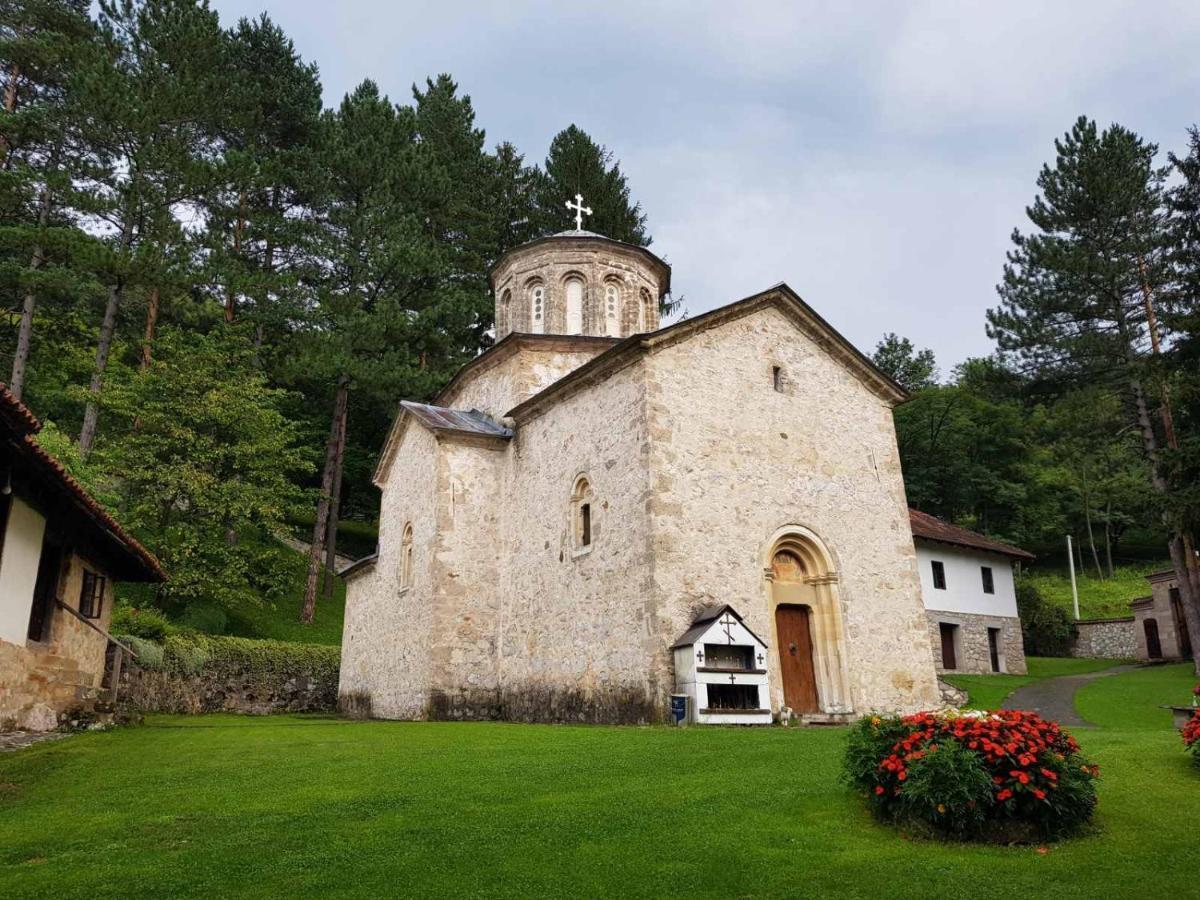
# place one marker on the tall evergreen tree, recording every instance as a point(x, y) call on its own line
point(1077, 299)
point(389, 318)
point(258, 222)
point(43, 254)
point(149, 111)
point(576, 164)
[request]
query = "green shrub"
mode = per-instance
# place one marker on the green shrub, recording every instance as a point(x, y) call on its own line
point(1005, 775)
point(194, 654)
point(1047, 629)
point(149, 654)
point(144, 622)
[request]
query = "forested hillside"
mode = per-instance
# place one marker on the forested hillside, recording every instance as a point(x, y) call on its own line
point(217, 289)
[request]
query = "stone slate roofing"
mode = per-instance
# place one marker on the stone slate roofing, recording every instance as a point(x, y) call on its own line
point(932, 528)
point(704, 620)
point(18, 427)
point(457, 421)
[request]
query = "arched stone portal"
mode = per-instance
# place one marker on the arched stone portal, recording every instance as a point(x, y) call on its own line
point(808, 643)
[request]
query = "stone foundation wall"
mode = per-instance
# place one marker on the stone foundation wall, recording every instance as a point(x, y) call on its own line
point(972, 651)
point(1106, 639)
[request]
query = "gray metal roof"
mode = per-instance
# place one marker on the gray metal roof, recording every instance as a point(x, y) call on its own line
point(441, 418)
point(704, 620)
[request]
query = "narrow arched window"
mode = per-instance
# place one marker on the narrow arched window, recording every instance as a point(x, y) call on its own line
point(537, 309)
point(648, 318)
point(574, 289)
point(503, 318)
point(612, 310)
point(406, 557)
point(582, 525)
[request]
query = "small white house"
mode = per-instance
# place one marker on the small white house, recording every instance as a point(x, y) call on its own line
point(722, 667)
point(970, 598)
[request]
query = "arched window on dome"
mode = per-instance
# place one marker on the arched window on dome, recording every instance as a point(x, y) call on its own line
point(406, 557)
point(537, 309)
point(647, 312)
point(581, 515)
point(504, 316)
point(612, 310)
point(574, 291)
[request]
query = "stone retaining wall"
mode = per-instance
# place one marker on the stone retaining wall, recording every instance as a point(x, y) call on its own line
point(1105, 639)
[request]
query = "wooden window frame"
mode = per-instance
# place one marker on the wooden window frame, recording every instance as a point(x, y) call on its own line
point(939, 574)
point(91, 602)
point(989, 579)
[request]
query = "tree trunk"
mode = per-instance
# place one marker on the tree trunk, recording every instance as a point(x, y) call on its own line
point(16, 383)
point(1182, 546)
point(148, 337)
point(10, 104)
point(1108, 538)
point(238, 227)
point(91, 413)
point(335, 504)
point(316, 550)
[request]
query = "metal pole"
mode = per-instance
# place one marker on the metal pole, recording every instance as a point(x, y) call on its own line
point(1074, 588)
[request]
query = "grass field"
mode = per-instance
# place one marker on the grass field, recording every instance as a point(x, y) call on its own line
point(989, 691)
point(221, 806)
point(1098, 598)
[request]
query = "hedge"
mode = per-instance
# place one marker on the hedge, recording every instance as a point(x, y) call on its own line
point(194, 654)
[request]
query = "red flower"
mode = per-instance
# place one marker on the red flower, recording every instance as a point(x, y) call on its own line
point(878, 789)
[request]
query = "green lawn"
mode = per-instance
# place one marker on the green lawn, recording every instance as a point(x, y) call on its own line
point(989, 691)
point(303, 806)
point(281, 622)
point(1098, 598)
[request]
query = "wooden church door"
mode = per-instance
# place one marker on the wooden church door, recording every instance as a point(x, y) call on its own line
point(794, 632)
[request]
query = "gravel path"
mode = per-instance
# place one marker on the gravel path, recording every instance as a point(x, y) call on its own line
point(1054, 698)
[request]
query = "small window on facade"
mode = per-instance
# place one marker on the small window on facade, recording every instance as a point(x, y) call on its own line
point(777, 378)
point(939, 575)
point(989, 584)
point(574, 290)
point(406, 557)
point(647, 311)
point(91, 596)
point(581, 514)
point(537, 309)
point(505, 311)
point(612, 310)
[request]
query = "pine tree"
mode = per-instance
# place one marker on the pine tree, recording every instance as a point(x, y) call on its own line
point(1077, 300)
point(43, 254)
point(576, 164)
point(258, 222)
point(150, 108)
point(389, 318)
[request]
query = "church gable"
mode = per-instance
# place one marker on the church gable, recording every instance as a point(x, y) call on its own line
point(781, 298)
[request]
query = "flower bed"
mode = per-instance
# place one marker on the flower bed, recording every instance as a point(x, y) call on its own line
point(1191, 737)
point(1006, 775)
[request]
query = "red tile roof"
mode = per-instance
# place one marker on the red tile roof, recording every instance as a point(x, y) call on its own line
point(932, 528)
point(23, 425)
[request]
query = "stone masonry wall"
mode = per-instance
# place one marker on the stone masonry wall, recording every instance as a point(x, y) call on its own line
point(972, 651)
point(1106, 639)
point(578, 638)
point(551, 263)
point(734, 461)
point(385, 639)
point(40, 681)
point(518, 377)
point(253, 694)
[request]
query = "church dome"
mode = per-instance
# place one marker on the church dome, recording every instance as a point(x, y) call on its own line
point(578, 282)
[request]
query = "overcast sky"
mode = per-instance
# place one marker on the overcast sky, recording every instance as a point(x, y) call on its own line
point(875, 156)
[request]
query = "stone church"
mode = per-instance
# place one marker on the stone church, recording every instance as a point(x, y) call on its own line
point(580, 494)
